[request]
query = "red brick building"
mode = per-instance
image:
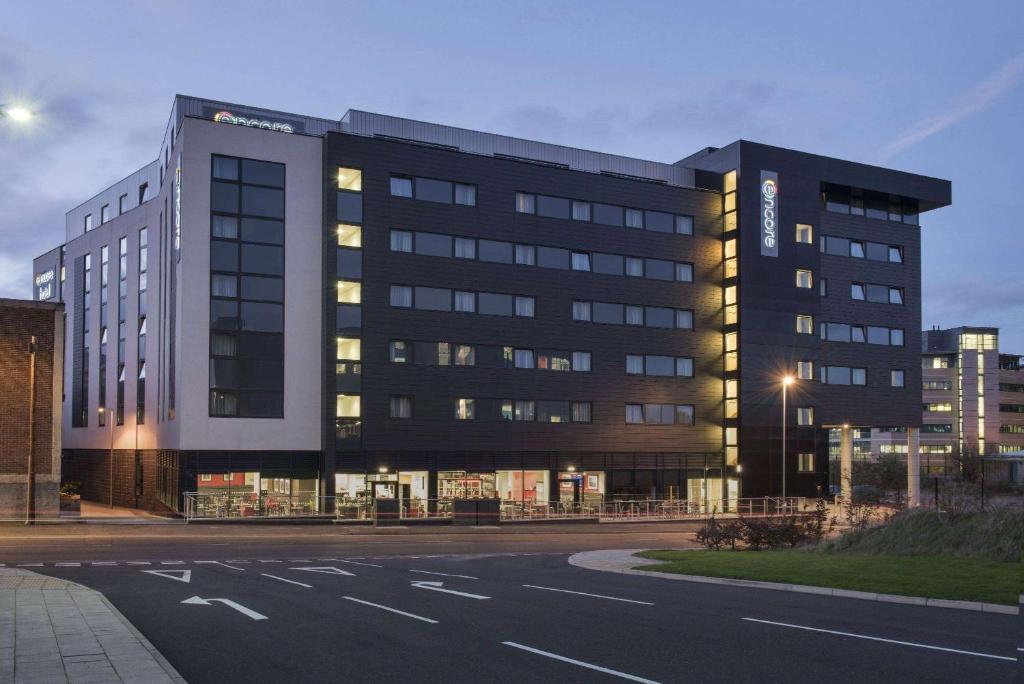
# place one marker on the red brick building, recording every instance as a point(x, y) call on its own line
point(31, 397)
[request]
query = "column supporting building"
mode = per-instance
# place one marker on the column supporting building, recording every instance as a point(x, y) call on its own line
point(846, 464)
point(913, 467)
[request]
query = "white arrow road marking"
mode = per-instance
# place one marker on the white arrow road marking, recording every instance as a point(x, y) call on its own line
point(176, 575)
point(443, 574)
point(391, 610)
point(308, 586)
point(583, 593)
point(580, 663)
point(874, 638)
point(196, 601)
point(221, 564)
point(327, 570)
point(436, 586)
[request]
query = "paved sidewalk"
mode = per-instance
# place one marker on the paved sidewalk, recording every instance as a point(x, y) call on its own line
point(52, 630)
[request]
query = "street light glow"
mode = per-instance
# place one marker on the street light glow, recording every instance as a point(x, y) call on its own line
point(788, 380)
point(19, 114)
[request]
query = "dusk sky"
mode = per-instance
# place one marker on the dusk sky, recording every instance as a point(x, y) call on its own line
point(929, 87)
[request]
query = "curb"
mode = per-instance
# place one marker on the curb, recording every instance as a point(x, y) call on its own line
point(624, 562)
point(157, 655)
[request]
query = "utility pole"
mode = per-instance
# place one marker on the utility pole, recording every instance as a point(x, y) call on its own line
point(30, 480)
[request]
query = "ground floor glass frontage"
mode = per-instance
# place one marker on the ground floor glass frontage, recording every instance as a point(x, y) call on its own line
point(247, 494)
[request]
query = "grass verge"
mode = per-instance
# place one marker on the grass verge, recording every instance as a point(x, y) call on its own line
point(943, 577)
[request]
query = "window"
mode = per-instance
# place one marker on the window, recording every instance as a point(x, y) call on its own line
point(657, 269)
point(526, 204)
point(350, 235)
point(551, 257)
point(433, 244)
point(465, 355)
point(348, 349)
point(398, 352)
point(658, 317)
point(804, 324)
point(896, 255)
point(431, 190)
point(634, 267)
point(684, 273)
point(684, 367)
point(634, 315)
point(857, 249)
point(804, 234)
point(823, 287)
point(122, 204)
point(104, 214)
point(581, 311)
point(580, 261)
point(401, 187)
point(659, 222)
point(525, 307)
point(635, 414)
point(349, 292)
point(634, 364)
point(804, 279)
point(581, 411)
point(433, 299)
point(526, 255)
point(897, 378)
point(465, 409)
point(465, 248)
point(497, 252)
point(935, 362)
point(937, 407)
point(659, 365)
point(553, 207)
point(401, 407)
point(858, 376)
point(857, 291)
point(896, 337)
point(895, 295)
point(347, 406)
point(581, 361)
point(805, 370)
point(465, 194)
point(805, 415)
point(350, 179)
point(580, 211)
point(465, 302)
point(553, 411)
point(805, 462)
point(634, 218)
point(523, 358)
point(87, 223)
point(401, 296)
point(684, 319)
point(684, 225)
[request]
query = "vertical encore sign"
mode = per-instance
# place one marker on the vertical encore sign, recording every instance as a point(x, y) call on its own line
point(769, 213)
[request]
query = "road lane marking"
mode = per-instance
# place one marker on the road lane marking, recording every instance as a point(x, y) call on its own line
point(221, 564)
point(67, 565)
point(391, 610)
point(240, 562)
point(344, 560)
point(443, 574)
point(874, 638)
point(327, 570)
point(186, 575)
point(138, 563)
point(580, 663)
point(583, 593)
point(308, 586)
point(196, 601)
point(437, 586)
point(104, 563)
point(172, 562)
point(269, 561)
point(30, 565)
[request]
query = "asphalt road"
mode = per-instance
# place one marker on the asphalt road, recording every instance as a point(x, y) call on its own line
point(522, 615)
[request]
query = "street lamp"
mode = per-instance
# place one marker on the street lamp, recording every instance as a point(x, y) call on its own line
point(16, 113)
point(102, 412)
point(786, 382)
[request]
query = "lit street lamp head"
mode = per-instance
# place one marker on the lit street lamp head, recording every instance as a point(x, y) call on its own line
point(788, 380)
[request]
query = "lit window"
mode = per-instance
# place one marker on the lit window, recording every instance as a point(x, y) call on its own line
point(350, 179)
point(804, 234)
point(731, 340)
point(401, 407)
point(804, 324)
point(805, 415)
point(730, 295)
point(805, 370)
point(349, 235)
point(523, 358)
point(401, 187)
point(349, 292)
point(581, 411)
point(729, 181)
point(348, 349)
point(398, 352)
point(347, 406)
point(804, 279)
point(465, 409)
point(805, 462)
point(897, 378)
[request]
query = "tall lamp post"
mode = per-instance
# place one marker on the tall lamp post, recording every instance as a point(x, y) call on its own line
point(786, 382)
point(30, 482)
point(102, 411)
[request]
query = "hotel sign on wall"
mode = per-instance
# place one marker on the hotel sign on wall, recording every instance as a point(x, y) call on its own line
point(228, 117)
point(769, 217)
point(45, 285)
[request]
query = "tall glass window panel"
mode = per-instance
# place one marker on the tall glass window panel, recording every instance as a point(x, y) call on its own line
point(349, 292)
point(465, 409)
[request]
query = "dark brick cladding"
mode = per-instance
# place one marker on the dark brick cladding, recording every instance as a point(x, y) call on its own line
point(91, 468)
point(433, 435)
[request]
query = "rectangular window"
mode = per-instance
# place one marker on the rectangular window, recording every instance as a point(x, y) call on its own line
point(580, 261)
point(608, 214)
point(433, 299)
point(348, 179)
point(634, 364)
point(581, 412)
point(684, 367)
point(465, 194)
point(805, 370)
point(104, 214)
point(122, 204)
point(856, 249)
point(684, 225)
point(350, 235)
point(607, 313)
point(350, 292)
point(398, 352)
point(525, 307)
point(804, 279)
point(581, 361)
point(858, 376)
point(523, 358)
point(857, 291)
point(581, 311)
point(659, 222)
point(896, 255)
point(895, 295)
point(804, 233)
point(657, 269)
point(526, 255)
point(804, 324)
point(634, 414)
point(634, 315)
point(805, 415)
point(87, 223)
point(432, 244)
point(465, 248)
point(805, 462)
point(401, 296)
point(684, 273)
point(553, 207)
point(897, 378)
point(496, 252)
point(526, 203)
point(659, 317)
point(401, 407)
point(896, 337)
point(684, 319)
point(551, 257)
point(634, 218)
point(431, 190)
point(401, 187)
point(634, 267)
point(492, 304)
point(554, 411)
point(823, 287)
point(580, 211)
point(465, 301)
point(465, 355)
point(878, 335)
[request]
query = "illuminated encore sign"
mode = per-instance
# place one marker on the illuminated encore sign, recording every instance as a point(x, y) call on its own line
point(44, 284)
point(769, 213)
point(228, 117)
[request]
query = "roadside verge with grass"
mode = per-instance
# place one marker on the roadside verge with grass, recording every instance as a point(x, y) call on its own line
point(943, 577)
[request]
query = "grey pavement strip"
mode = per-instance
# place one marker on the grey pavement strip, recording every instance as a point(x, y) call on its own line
point(53, 630)
point(623, 562)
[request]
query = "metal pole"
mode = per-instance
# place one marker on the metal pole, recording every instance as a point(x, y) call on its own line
point(784, 442)
point(110, 423)
point(30, 480)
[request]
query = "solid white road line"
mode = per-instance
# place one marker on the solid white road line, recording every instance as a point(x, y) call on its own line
point(173, 562)
point(342, 560)
point(269, 561)
point(888, 641)
point(390, 610)
point(221, 564)
point(583, 593)
point(301, 584)
point(443, 574)
point(580, 663)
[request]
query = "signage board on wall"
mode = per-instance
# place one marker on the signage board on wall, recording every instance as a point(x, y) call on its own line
point(274, 123)
point(45, 285)
point(769, 217)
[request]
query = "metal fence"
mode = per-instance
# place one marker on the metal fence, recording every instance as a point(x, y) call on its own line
point(251, 505)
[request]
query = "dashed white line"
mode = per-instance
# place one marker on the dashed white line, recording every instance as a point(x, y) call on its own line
point(138, 563)
point(67, 565)
point(352, 562)
point(583, 593)
point(106, 563)
point(30, 565)
point(580, 663)
point(391, 610)
point(269, 561)
point(206, 562)
point(301, 584)
point(874, 638)
point(172, 562)
point(443, 574)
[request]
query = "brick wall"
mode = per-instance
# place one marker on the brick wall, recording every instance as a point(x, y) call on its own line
point(92, 469)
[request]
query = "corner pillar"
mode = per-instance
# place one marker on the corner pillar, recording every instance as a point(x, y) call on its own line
point(913, 467)
point(846, 464)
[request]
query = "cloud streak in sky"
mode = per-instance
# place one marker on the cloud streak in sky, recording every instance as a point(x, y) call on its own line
point(981, 97)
